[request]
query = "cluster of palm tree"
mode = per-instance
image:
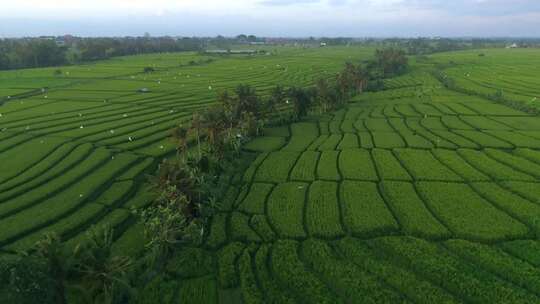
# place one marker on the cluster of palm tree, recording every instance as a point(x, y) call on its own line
point(187, 187)
point(61, 273)
point(213, 139)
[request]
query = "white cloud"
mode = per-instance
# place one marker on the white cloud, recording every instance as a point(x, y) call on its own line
point(269, 17)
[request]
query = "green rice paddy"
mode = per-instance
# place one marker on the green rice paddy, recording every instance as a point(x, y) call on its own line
point(415, 194)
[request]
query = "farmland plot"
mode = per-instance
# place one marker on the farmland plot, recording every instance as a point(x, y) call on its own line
point(393, 199)
point(404, 194)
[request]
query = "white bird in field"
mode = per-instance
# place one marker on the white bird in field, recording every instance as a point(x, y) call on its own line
point(111, 131)
point(130, 138)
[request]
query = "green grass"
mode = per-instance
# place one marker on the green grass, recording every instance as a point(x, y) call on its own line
point(467, 214)
point(322, 210)
point(413, 215)
point(356, 164)
point(364, 210)
point(286, 207)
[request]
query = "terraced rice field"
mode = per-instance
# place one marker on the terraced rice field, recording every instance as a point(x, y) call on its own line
point(395, 199)
point(76, 154)
point(514, 72)
point(415, 194)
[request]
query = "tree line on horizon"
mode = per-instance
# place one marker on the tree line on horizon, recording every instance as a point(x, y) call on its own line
point(35, 52)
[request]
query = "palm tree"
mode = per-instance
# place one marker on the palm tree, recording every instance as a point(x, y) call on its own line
point(180, 135)
point(196, 126)
point(247, 100)
point(103, 275)
point(60, 262)
point(302, 101)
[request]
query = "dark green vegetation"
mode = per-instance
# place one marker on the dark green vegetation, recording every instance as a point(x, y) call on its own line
point(415, 194)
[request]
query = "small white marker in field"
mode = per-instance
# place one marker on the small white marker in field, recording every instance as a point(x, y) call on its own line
point(287, 101)
point(111, 131)
point(45, 96)
point(161, 147)
point(80, 115)
point(210, 88)
point(0, 114)
point(9, 97)
point(130, 138)
point(81, 127)
point(125, 115)
point(80, 195)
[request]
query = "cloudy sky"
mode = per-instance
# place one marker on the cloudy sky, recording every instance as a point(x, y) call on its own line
point(277, 18)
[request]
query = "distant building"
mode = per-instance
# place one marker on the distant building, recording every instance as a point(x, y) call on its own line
point(323, 44)
point(233, 51)
point(512, 46)
point(47, 37)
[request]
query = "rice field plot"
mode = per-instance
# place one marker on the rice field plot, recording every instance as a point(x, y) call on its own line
point(414, 194)
point(510, 71)
point(393, 192)
point(78, 148)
